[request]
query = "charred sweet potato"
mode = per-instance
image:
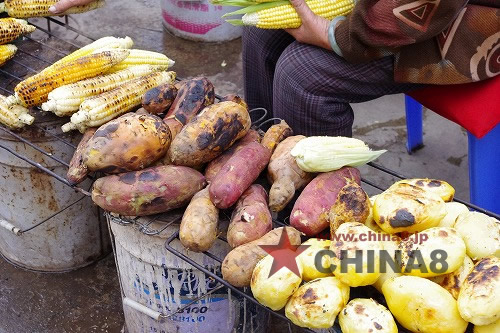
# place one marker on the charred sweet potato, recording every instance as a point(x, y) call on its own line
point(352, 205)
point(209, 134)
point(251, 219)
point(214, 166)
point(159, 99)
point(150, 191)
point(198, 230)
point(310, 212)
point(193, 96)
point(130, 142)
point(239, 172)
point(285, 175)
point(236, 99)
point(78, 170)
point(275, 134)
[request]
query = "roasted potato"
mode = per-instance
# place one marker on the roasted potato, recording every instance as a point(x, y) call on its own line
point(311, 210)
point(438, 187)
point(316, 304)
point(209, 134)
point(234, 98)
point(479, 297)
point(453, 209)
point(391, 245)
point(370, 222)
point(366, 315)
point(275, 134)
point(349, 238)
point(491, 328)
point(421, 305)
point(128, 143)
point(78, 170)
point(159, 99)
point(308, 259)
point(420, 252)
point(239, 264)
point(352, 205)
point(453, 281)
point(275, 290)
point(150, 191)
point(407, 208)
point(198, 230)
point(481, 234)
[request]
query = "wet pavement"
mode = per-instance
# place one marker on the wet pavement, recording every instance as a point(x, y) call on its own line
point(88, 300)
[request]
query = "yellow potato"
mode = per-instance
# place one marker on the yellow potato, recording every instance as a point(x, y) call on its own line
point(407, 208)
point(479, 297)
point(316, 304)
point(423, 254)
point(491, 328)
point(308, 257)
point(439, 187)
point(454, 280)
point(274, 291)
point(390, 247)
point(370, 222)
point(366, 315)
point(422, 306)
point(481, 234)
point(349, 237)
point(453, 209)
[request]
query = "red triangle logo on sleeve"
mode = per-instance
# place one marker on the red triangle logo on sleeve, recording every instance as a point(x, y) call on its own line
point(417, 14)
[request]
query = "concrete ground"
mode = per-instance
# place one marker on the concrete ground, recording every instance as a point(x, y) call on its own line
point(88, 300)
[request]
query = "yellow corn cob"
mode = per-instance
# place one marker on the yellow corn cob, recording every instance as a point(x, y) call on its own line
point(40, 8)
point(65, 100)
point(7, 52)
point(11, 28)
point(142, 57)
point(100, 109)
point(285, 16)
point(34, 90)
point(14, 116)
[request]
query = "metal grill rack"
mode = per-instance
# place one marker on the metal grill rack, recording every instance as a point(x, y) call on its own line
point(33, 55)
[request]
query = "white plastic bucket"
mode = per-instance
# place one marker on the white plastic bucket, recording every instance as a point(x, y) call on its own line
point(198, 20)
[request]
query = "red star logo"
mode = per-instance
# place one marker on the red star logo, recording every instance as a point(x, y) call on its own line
point(284, 254)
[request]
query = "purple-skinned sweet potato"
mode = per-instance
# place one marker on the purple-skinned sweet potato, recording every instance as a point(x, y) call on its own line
point(251, 219)
point(150, 191)
point(311, 210)
point(78, 170)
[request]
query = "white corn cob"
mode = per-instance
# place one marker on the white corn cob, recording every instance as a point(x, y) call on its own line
point(14, 116)
point(143, 57)
point(66, 100)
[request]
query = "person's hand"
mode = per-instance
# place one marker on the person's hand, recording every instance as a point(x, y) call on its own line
point(63, 5)
point(314, 28)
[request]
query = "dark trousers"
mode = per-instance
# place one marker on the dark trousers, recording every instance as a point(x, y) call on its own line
point(310, 87)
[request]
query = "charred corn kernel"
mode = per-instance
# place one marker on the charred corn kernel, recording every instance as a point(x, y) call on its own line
point(285, 16)
point(40, 8)
point(34, 90)
point(142, 57)
point(100, 109)
point(7, 52)
point(14, 116)
point(12, 28)
point(65, 100)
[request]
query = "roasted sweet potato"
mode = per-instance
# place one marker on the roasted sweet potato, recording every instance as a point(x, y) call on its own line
point(310, 212)
point(198, 230)
point(214, 166)
point(192, 97)
point(275, 134)
point(251, 219)
point(159, 99)
point(150, 191)
point(130, 142)
point(209, 134)
point(78, 170)
point(238, 265)
point(236, 99)
point(239, 172)
point(285, 175)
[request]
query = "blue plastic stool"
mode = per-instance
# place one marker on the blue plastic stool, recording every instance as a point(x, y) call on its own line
point(484, 158)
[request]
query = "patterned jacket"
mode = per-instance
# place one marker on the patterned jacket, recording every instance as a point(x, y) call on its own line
point(434, 41)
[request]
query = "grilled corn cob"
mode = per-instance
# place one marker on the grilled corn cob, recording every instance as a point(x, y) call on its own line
point(34, 90)
point(40, 8)
point(14, 116)
point(100, 109)
point(7, 52)
point(142, 57)
point(65, 100)
point(11, 28)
